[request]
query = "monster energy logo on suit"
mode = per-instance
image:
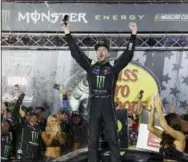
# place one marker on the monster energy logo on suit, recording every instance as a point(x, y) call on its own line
point(100, 81)
point(7, 151)
point(35, 136)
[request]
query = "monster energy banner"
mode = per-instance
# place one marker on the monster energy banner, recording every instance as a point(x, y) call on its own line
point(152, 71)
point(94, 17)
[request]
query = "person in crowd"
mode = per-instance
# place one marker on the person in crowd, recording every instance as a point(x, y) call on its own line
point(65, 112)
point(185, 124)
point(65, 128)
point(173, 141)
point(16, 92)
point(27, 111)
point(65, 121)
point(41, 120)
point(64, 101)
point(6, 111)
point(79, 130)
point(30, 142)
point(53, 138)
point(139, 107)
point(6, 114)
point(27, 134)
point(134, 119)
point(137, 112)
point(6, 141)
point(64, 117)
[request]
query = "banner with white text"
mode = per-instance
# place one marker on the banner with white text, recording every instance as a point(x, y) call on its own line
point(89, 17)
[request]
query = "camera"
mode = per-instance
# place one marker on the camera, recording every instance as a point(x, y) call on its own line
point(65, 19)
point(140, 95)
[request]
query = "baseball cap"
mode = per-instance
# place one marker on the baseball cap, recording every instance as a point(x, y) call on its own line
point(104, 43)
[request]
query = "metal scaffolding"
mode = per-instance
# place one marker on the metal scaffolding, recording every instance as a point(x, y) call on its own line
point(86, 41)
point(98, 1)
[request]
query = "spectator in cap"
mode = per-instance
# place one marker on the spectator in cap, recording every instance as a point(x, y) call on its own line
point(65, 128)
point(79, 129)
point(6, 141)
point(41, 120)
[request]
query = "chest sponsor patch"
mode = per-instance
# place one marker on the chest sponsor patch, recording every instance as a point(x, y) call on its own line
point(96, 70)
point(106, 70)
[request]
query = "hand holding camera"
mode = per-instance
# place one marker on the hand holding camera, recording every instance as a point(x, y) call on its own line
point(65, 25)
point(140, 95)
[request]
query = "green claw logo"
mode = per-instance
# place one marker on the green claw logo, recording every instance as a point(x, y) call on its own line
point(100, 81)
point(6, 151)
point(35, 136)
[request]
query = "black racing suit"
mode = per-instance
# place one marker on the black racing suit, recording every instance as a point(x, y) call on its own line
point(102, 81)
point(6, 146)
point(28, 138)
point(79, 134)
point(30, 143)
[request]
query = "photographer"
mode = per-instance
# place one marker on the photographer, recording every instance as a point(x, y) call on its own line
point(134, 119)
point(139, 107)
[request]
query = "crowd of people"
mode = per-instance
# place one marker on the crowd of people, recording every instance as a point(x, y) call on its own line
point(173, 137)
point(26, 135)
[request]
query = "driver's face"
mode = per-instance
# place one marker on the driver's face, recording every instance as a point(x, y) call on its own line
point(102, 54)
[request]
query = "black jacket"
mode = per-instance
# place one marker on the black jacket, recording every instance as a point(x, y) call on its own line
point(80, 132)
point(27, 138)
point(101, 77)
